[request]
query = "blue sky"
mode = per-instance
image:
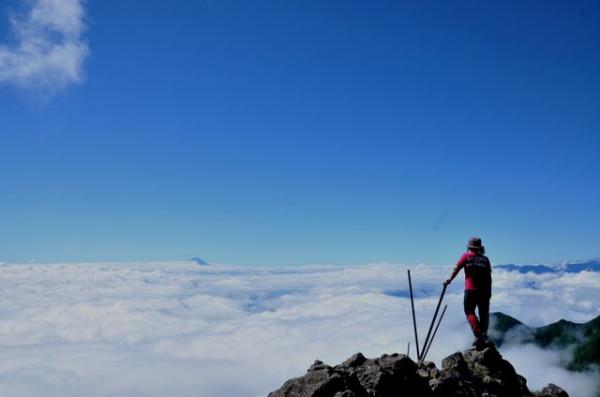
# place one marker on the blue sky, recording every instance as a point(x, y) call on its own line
point(303, 132)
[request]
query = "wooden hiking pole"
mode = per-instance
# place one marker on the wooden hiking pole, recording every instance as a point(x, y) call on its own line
point(412, 305)
point(426, 349)
point(437, 309)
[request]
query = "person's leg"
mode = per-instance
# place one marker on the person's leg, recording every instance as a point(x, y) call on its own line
point(469, 305)
point(483, 306)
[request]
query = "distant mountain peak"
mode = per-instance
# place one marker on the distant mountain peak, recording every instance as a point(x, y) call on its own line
point(199, 260)
point(592, 265)
point(584, 338)
point(504, 322)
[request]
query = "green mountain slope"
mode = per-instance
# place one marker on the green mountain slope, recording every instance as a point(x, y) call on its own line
point(583, 338)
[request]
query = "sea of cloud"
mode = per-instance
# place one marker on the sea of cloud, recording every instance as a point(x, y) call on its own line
point(177, 328)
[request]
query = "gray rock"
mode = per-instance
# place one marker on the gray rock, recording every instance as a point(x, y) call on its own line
point(354, 361)
point(477, 372)
point(552, 391)
point(387, 376)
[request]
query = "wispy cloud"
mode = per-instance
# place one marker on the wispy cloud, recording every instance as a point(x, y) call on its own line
point(156, 329)
point(46, 49)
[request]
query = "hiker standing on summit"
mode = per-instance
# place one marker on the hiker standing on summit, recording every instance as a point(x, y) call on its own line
point(478, 287)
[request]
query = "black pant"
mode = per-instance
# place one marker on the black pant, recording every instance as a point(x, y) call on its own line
point(480, 299)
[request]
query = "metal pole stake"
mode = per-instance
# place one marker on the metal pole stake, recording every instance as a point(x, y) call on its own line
point(437, 309)
point(434, 332)
point(412, 305)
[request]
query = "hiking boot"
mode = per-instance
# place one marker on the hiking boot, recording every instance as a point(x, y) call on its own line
point(480, 341)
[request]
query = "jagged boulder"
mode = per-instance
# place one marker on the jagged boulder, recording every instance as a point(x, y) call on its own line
point(478, 372)
point(359, 377)
point(552, 391)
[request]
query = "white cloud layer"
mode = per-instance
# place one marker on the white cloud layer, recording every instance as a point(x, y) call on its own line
point(156, 329)
point(47, 49)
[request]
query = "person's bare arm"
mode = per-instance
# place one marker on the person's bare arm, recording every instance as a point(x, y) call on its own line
point(459, 265)
point(454, 273)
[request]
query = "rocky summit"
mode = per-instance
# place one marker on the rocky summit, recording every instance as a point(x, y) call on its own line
point(477, 372)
